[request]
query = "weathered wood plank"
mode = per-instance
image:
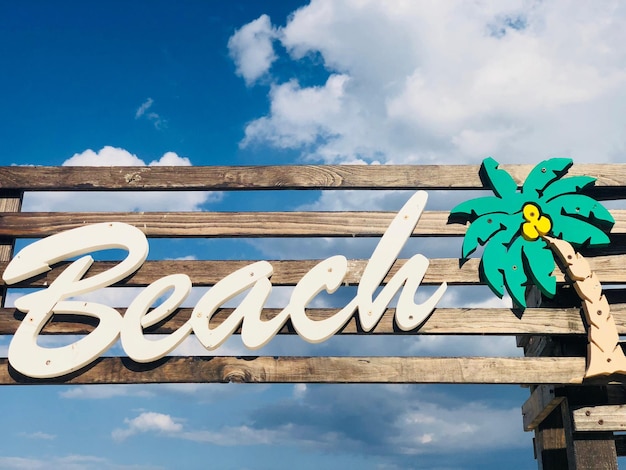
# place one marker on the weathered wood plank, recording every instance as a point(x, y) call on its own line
point(540, 404)
point(609, 269)
point(275, 177)
point(455, 321)
point(10, 201)
point(204, 369)
point(600, 418)
point(620, 445)
point(241, 224)
point(228, 224)
point(286, 272)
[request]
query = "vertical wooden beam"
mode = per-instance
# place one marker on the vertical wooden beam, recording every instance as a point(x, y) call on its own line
point(587, 450)
point(550, 443)
point(10, 201)
point(557, 445)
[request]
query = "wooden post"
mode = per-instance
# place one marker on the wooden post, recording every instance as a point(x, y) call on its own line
point(10, 201)
point(549, 410)
point(587, 450)
point(560, 443)
point(550, 443)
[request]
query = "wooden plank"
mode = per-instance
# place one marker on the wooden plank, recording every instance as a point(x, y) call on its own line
point(275, 177)
point(540, 404)
point(455, 321)
point(286, 272)
point(609, 269)
point(620, 445)
point(600, 418)
point(241, 224)
point(10, 201)
point(228, 224)
point(262, 369)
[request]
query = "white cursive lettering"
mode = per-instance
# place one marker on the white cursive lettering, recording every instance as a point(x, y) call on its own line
point(27, 357)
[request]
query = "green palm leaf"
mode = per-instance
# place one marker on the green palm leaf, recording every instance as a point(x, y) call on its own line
point(577, 232)
point(571, 185)
point(540, 264)
point(580, 207)
point(490, 270)
point(544, 174)
point(515, 277)
point(483, 228)
point(502, 184)
point(491, 265)
point(470, 210)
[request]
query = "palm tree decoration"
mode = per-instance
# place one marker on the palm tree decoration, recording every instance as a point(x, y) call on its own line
point(523, 230)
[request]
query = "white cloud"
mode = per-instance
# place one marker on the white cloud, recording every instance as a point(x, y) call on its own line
point(99, 392)
point(38, 435)
point(155, 118)
point(147, 422)
point(114, 156)
point(429, 428)
point(302, 116)
point(120, 201)
point(299, 390)
point(165, 425)
point(447, 82)
point(406, 421)
point(252, 50)
point(235, 435)
point(141, 110)
point(68, 462)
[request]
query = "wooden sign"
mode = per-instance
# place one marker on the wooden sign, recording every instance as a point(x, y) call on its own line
point(546, 241)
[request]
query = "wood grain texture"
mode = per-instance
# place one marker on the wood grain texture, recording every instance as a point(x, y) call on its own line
point(224, 178)
point(448, 321)
point(10, 201)
point(600, 418)
point(540, 404)
point(241, 224)
point(228, 224)
point(610, 269)
point(261, 369)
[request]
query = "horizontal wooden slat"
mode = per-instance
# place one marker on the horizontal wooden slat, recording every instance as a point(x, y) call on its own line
point(227, 224)
point(461, 321)
point(196, 369)
point(609, 269)
point(600, 418)
point(10, 201)
point(286, 272)
point(275, 177)
point(240, 224)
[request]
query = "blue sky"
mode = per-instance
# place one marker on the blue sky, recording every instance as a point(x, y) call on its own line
point(330, 81)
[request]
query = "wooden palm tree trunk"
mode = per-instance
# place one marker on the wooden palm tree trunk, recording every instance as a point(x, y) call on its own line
point(604, 354)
